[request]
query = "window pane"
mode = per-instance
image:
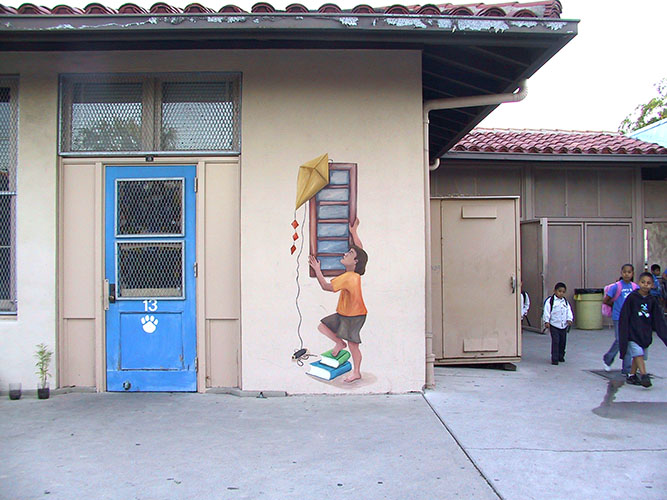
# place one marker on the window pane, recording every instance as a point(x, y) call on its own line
point(198, 116)
point(333, 211)
point(328, 263)
point(332, 230)
point(149, 207)
point(150, 269)
point(6, 220)
point(336, 246)
point(339, 177)
point(5, 139)
point(106, 116)
point(8, 159)
point(5, 278)
point(328, 194)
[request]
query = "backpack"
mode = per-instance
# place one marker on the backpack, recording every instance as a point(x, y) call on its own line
point(551, 301)
point(606, 310)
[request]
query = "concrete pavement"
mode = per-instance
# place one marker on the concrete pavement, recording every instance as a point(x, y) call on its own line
point(542, 432)
point(561, 432)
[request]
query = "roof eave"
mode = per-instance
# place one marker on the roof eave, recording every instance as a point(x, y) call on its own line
point(314, 26)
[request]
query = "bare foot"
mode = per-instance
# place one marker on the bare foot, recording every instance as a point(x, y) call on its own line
point(352, 377)
point(339, 347)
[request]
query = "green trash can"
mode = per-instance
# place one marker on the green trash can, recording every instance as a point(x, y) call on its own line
point(588, 308)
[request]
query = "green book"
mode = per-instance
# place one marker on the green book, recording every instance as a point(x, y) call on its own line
point(328, 359)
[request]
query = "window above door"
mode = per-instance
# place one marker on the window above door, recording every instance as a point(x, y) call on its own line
point(183, 113)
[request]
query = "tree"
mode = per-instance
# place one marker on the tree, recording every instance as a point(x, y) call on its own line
point(645, 114)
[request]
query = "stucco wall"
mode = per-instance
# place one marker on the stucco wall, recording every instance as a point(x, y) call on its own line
point(362, 107)
point(36, 230)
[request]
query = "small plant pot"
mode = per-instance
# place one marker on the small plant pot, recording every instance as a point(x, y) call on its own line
point(43, 392)
point(14, 391)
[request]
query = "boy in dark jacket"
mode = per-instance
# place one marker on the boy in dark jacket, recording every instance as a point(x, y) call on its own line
point(640, 316)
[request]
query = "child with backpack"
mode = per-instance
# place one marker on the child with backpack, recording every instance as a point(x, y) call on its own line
point(640, 316)
point(557, 317)
point(525, 304)
point(615, 296)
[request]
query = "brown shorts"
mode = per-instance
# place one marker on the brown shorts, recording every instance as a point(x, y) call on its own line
point(345, 327)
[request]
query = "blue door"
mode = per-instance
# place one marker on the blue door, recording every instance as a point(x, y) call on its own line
point(150, 267)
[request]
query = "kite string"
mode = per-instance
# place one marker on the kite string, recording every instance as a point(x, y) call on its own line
point(298, 285)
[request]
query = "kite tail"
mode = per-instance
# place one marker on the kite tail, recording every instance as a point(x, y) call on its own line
point(298, 286)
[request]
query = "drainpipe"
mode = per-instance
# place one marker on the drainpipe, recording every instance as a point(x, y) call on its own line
point(435, 104)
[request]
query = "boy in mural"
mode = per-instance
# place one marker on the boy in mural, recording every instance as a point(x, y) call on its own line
point(345, 324)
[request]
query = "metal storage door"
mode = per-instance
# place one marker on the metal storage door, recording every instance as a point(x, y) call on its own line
point(480, 279)
point(150, 266)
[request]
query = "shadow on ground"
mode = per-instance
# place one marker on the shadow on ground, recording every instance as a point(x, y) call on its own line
point(644, 412)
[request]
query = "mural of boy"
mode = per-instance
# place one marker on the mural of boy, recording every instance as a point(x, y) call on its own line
point(345, 324)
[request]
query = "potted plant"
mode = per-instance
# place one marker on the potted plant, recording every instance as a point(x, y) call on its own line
point(43, 357)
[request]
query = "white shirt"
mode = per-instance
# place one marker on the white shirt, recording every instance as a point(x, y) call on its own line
point(525, 305)
point(561, 314)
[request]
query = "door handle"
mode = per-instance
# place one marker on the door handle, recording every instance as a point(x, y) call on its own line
point(112, 293)
point(513, 283)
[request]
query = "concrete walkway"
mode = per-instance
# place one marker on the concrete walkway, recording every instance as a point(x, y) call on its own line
point(543, 432)
point(561, 432)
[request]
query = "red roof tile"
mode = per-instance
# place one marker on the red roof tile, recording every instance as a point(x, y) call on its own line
point(544, 8)
point(554, 142)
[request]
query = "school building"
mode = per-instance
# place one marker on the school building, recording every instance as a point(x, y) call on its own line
point(590, 201)
point(149, 162)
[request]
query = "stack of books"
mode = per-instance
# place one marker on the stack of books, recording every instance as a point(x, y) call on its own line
point(330, 366)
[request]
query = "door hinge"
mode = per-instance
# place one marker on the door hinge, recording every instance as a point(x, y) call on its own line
point(196, 365)
point(196, 184)
point(195, 269)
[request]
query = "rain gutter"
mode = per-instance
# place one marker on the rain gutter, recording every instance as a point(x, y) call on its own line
point(432, 105)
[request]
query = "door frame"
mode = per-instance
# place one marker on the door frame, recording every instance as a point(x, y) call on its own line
point(95, 314)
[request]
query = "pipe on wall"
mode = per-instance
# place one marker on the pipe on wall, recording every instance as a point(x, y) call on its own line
point(432, 105)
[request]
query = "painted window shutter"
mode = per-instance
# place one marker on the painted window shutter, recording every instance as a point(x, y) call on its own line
point(332, 210)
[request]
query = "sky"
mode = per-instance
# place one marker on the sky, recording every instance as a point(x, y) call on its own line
point(595, 81)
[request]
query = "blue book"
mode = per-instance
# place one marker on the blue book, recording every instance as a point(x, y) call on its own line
point(325, 372)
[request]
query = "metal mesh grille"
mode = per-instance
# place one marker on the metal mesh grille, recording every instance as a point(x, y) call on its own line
point(176, 112)
point(106, 116)
point(149, 207)
point(150, 270)
point(8, 160)
point(198, 116)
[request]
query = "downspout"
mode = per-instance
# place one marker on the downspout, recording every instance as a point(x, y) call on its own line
point(435, 104)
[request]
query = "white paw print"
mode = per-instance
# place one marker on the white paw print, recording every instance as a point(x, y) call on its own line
point(149, 323)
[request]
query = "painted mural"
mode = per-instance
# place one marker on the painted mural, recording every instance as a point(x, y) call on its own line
point(336, 252)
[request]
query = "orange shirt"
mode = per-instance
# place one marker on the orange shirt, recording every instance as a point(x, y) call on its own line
point(350, 303)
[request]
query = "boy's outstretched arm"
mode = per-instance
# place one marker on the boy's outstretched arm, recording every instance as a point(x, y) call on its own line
point(353, 232)
point(315, 264)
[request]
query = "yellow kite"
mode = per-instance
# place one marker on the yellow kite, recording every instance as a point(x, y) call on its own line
point(313, 176)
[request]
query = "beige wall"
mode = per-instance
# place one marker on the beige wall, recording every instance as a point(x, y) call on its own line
point(36, 229)
point(362, 107)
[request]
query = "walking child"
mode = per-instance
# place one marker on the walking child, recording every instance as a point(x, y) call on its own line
point(658, 290)
point(557, 317)
point(345, 324)
point(640, 316)
point(615, 299)
point(525, 304)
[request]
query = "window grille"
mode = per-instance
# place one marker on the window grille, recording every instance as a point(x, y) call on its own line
point(332, 210)
point(8, 163)
point(185, 113)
